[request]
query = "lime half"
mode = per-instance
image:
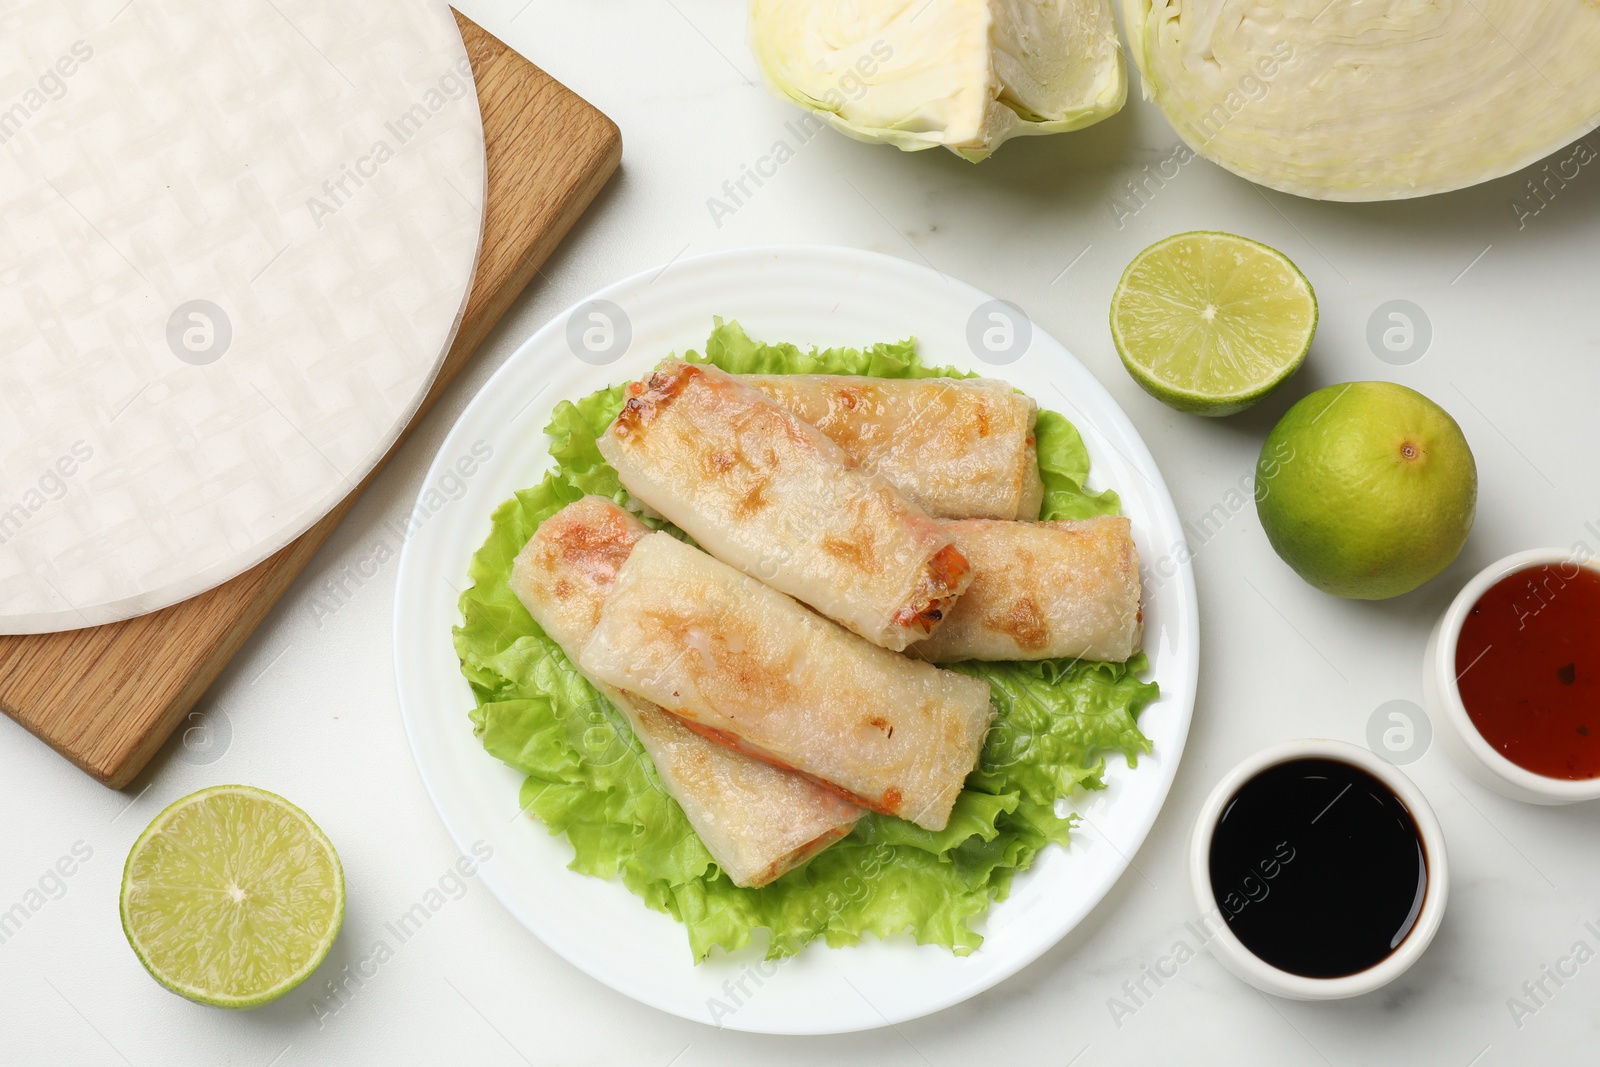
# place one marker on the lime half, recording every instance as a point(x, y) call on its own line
point(232, 896)
point(1210, 323)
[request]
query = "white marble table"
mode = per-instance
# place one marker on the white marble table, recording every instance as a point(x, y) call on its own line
point(309, 710)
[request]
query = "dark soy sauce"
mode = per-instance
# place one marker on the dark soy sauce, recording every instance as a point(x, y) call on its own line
point(1318, 868)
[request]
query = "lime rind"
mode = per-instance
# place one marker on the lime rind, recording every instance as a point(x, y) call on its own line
point(1210, 322)
point(1355, 514)
point(249, 932)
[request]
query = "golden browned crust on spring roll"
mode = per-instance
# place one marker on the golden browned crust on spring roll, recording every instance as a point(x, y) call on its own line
point(1043, 590)
point(959, 448)
point(746, 665)
point(774, 497)
point(756, 820)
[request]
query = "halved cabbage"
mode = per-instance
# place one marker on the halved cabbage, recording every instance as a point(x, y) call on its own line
point(1371, 99)
point(965, 74)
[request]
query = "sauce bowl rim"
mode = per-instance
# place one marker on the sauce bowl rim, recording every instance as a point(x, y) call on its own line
point(1253, 969)
point(1443, 678)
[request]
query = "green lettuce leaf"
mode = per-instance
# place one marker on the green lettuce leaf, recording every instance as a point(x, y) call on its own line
point(588, 779)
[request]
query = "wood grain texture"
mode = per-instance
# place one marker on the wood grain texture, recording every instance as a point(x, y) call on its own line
point(107, 698)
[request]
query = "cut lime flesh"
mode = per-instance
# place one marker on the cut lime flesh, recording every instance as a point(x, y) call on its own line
point(1210, 323)
point(232, 896)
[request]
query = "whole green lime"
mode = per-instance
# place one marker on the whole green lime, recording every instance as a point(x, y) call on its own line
point(1366, 489)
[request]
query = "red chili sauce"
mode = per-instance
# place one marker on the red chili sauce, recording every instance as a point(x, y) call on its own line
point(1528, 668)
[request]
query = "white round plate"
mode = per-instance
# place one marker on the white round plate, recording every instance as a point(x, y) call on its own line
point(823, 296)
point(239, 237)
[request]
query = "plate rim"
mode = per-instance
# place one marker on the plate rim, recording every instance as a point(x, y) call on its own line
point(1186, 645)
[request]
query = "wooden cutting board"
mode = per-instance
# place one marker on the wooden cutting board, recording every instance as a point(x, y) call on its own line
point(107, 698)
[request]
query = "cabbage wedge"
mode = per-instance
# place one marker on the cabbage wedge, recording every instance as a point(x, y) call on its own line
point(1371, 99)
point(964, 74)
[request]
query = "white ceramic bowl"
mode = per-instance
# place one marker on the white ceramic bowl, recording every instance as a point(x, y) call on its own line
point(1443, 698)
point(1231, 952)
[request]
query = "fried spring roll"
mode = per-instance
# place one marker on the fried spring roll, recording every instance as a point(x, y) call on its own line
point(756, 821)
point(774, 497)
point(740, 662)
point(957, 448)
point(1043, 590)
